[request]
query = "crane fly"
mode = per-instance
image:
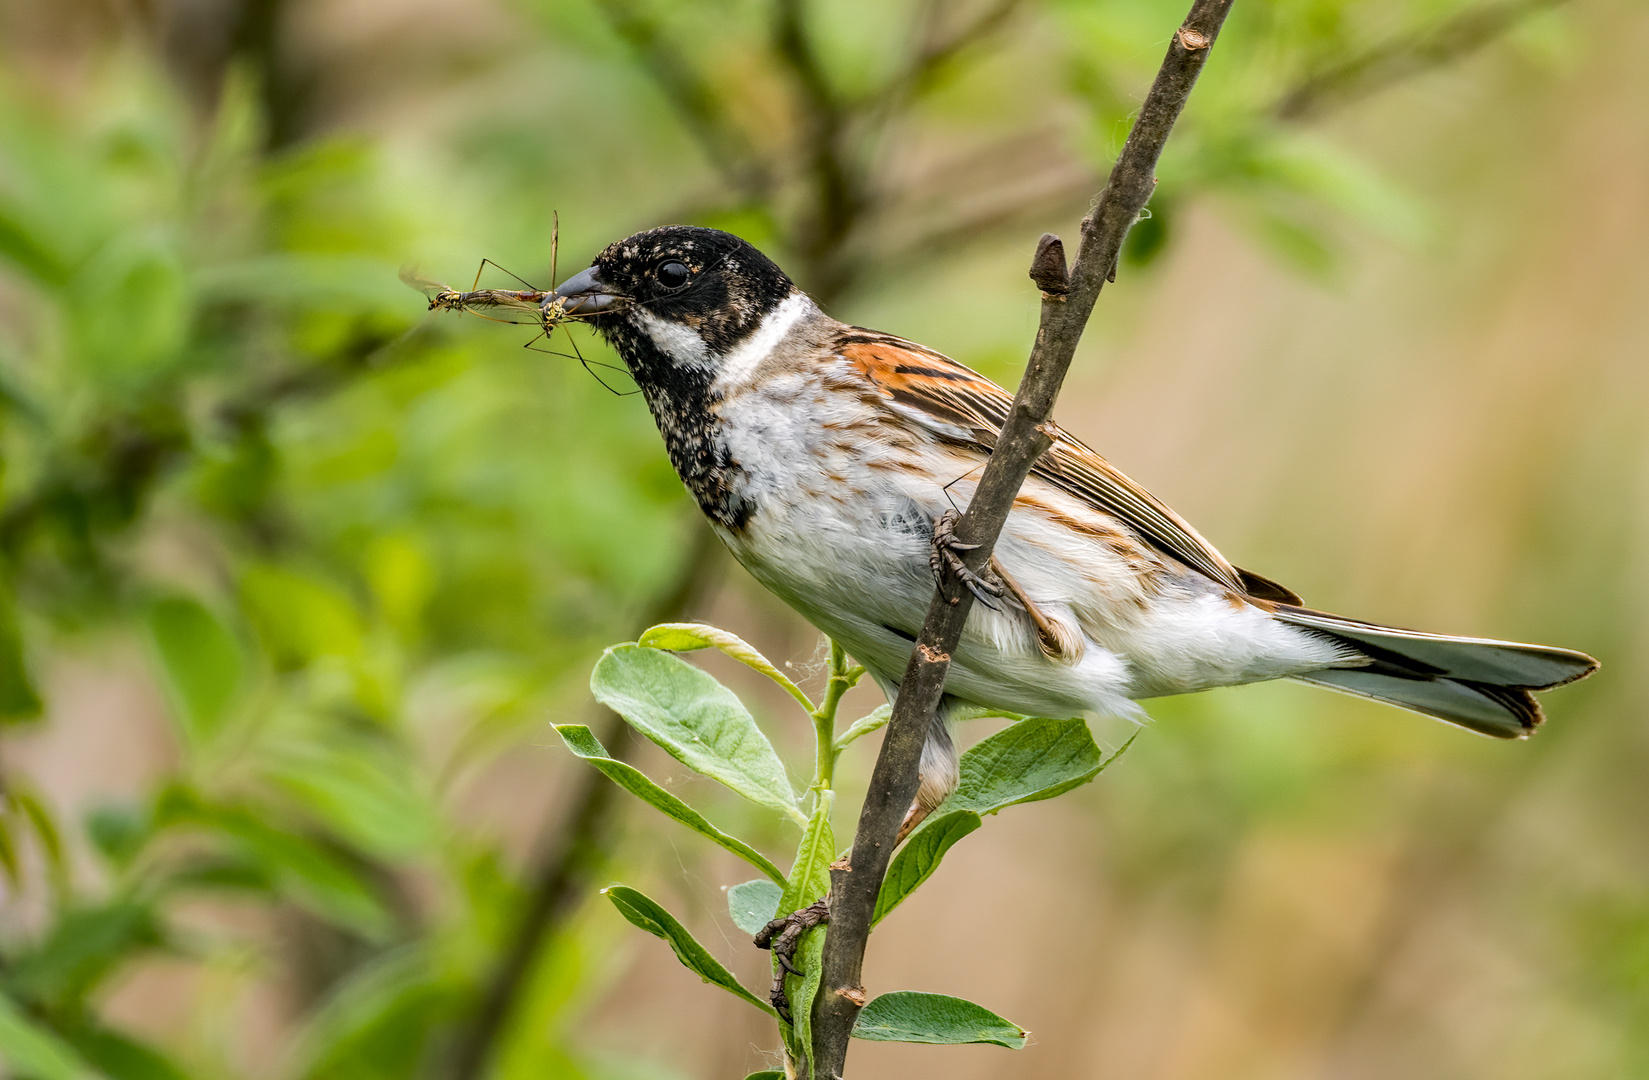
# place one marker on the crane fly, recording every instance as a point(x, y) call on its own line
point(513, 305)
point(529, 306)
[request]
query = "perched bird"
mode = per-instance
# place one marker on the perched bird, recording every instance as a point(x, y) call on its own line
point(827, 456)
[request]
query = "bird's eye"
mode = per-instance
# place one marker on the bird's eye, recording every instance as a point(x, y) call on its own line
point(672, 275)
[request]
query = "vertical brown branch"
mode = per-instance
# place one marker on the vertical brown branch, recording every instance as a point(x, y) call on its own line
point(1023, 439)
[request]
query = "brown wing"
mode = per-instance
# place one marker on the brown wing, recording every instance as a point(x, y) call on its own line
point(962, 405)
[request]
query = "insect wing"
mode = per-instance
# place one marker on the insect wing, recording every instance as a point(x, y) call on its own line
point(433, 291)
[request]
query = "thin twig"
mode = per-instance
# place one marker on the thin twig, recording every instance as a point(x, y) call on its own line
point(1403, 58)
point(1023, 439)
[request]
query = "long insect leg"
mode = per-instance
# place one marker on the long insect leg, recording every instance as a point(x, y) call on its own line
point(958, 480)
point(488, 262)
point(586, 364)
point(590, 366)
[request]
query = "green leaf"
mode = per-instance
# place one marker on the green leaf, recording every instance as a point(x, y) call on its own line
point(766, 1074)
point(398, 569)
point(865, 725)
point(84, 946)
point(318, 880)
point(581, 741)
point(377, 1022)
point(31, 1050)
point(46, 835)
point(139, 273)
point(809, 881)
point(300, 617)
point(29, 251)
point(803, 990)
point(121, 1057)
point(200, 663)
point(8, 853)
point(696, 719)
point(754, 904)
point(909, 1016)
point(1032, 760)
point(687, 637)
point(118, 832)
point(313, 876)
point(643, 912)
point(1308, 163)
point(1311, 249)
point(919, 858)
point(810, 873)
point(19, 700)
point(359, 784)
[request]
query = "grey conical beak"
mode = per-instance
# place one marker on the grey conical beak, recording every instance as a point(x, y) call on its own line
point(584, 294)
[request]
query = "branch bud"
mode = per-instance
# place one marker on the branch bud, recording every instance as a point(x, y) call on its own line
point(1048, 267)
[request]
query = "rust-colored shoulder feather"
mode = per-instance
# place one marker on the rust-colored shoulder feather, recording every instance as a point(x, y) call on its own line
point(961, 405)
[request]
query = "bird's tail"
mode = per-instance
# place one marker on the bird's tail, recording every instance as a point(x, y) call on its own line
point(1477, 683)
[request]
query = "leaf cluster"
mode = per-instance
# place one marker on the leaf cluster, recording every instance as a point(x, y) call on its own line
point(699, 722)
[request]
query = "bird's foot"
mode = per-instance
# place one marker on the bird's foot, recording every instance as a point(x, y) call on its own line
point(946, 554)
point(783, 936)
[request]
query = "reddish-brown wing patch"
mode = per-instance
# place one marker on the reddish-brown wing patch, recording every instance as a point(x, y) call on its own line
point(929, 382)
point(908, 375)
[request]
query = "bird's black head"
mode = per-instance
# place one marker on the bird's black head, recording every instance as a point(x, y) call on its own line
point(678, 277)
point(678, 303)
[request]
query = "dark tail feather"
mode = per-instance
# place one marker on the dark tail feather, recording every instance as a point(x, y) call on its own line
point(1478, 683)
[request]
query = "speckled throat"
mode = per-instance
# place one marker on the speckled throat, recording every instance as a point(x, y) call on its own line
point(683, 402)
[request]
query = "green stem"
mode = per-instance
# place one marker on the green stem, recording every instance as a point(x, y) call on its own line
point(842, 679)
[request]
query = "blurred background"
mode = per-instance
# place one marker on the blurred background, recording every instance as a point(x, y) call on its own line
point(294, 576)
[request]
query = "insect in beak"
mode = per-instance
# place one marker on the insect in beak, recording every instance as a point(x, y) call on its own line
point(582, 294)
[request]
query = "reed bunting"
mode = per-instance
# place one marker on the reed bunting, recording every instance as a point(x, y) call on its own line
point(826, 457)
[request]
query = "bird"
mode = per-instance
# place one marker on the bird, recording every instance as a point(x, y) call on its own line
point(830, 460)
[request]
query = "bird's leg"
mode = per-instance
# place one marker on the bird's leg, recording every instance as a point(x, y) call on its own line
point(946, 554)
point(783, 936)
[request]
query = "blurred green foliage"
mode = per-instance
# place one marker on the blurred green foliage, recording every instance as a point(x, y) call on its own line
point(209, 348)
point(229, 437)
